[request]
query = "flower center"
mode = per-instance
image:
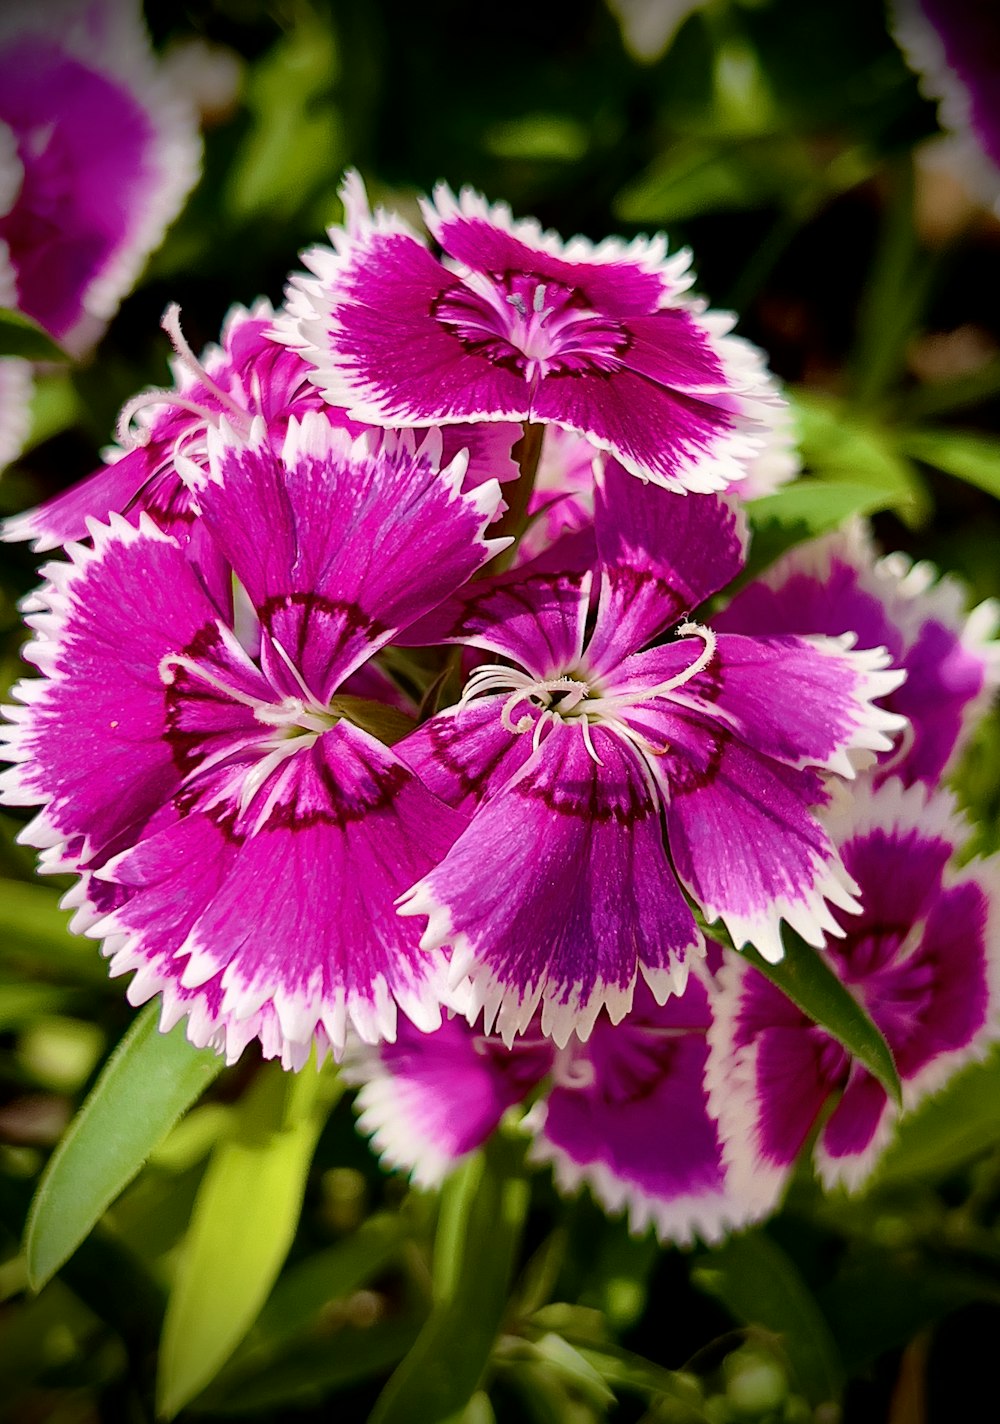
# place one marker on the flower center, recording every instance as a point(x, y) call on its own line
point(530, 326)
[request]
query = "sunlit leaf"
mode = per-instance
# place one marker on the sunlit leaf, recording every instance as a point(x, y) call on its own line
point(973, 458)
point(304, 1290)
point(482, 1215)
point(149, 1080)
point(20, 336)
point(243, 1223)
point(759, 1285)
point(809, 981)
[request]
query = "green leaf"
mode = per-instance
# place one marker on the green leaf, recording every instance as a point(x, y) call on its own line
point(306, 1289)
point(482, 1216)
point(20, 336)
point(314, 1369)
point(953, 1127)
point(243, 1223)
point(149, 1080)
point(33, 931)
point(760, 1286)
point(806, 977)
point(973, 458)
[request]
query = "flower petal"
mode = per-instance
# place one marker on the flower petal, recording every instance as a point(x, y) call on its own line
point(559, 891)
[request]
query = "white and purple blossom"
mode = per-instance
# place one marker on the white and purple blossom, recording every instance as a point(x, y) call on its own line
point(512, 324)
point(922, 957)
point(248, 376)
point(241, 833)
point(604, 774)
point(103, 155)
point(625, 1113)
point(839, 584)
point(954, 46)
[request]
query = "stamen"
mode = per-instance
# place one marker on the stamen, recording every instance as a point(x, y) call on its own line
point(538, 301)
point(701, 662)
point(588, 743)
point(303, 686)
point(171, 324)
point(569, 1071)
point(570, 685)
point(517, 302)
point(168, 675)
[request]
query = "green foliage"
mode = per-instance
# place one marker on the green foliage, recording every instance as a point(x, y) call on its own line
point(149, 1080)
point(20, 336)
point(243, 1223)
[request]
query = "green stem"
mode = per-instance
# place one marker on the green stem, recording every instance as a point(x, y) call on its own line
point(527, 452)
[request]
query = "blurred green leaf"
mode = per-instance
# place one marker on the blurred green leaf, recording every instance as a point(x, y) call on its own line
point(806, 977)
point(34, 931)
point(22, 1002)
point(626, 1370)
point(55, 406)
point(973, 458)
point(20, 336)
point(759, 1285)
point(482, 1216)
point(243, 1223)
point(295, 144)
point(957, 1124)
point(314, 1369)
point(149, 1080)
point(304, 1290)
point(841, 447)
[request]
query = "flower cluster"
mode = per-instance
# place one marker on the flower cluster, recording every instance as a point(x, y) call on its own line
point(388, 708)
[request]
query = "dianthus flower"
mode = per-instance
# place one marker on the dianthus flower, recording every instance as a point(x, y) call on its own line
point(512, 324)
point(838, 584)
point(922, 957)
point(97, 155)
point(249, 375)
point(211, 777)
point(581, 751)
point(105, 154)
point(625, 1113)
point(954, 46)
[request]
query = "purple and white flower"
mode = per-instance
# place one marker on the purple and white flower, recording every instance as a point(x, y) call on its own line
point(241, 832)
point(249, 375)
point(838, 585)
point(604, 774)
point(954, 46)
point(923, 957)
point(103, 155)
point(625, 1113)
point(513, 324)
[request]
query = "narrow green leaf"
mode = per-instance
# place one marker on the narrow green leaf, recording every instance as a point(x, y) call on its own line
point(973, 458)
point(303, 1291)
point(149, 1080)
point(760, 1286)
point(482, 1216)
point(243, 1223)
point(314, 1369)
point(20, 336)
point(956, 1125)
point(33, 931)
point(807, 979)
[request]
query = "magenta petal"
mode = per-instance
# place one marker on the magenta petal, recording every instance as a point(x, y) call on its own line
point(302, 915)
point(91, 740)
point(339, 546)
point(560, 890)
point(430, 1098)
point(661, 555)
point(628, 1115)
point(383, 301)
point(747, 846)
point(108, 155)
point(466, 755)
